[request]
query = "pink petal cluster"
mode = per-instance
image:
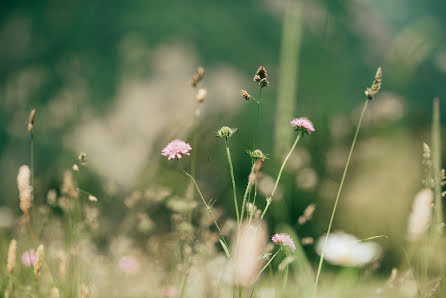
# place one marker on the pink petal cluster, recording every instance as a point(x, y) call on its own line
point(303, 123)
point(176, 148)
point(285, 240)
point(29, 258)
point(129, 264)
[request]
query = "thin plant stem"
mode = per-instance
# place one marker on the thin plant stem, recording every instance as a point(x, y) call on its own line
point(208, 208)
point(248, 188)
point(285, 281)
point(32, 159)
point(231, 168)
point(257, 119)
point(436, 165)
point(263, 269)
point(268, 202)
point(321, 260)
point(240, 292)
point(253, 202)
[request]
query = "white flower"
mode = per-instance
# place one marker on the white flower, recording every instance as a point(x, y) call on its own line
point(346, 250)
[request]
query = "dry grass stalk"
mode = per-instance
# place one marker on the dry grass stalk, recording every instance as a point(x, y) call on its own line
point(249, 247)
point(38, 265)
point(419, 219)
point(11, 256)
point(25, 188)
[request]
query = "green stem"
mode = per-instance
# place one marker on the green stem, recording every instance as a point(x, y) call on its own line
point(321, 260)
point(285, 281)
point(280, 174)
point(32, 160)
point(436, 165)
point(263, 269)
point(253, 202)
point(248, 188)
point(231, 168)
point(240, 292)
point(208, 208)
point(257, 119)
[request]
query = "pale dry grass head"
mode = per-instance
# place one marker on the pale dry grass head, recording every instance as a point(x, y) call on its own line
point(248, 250)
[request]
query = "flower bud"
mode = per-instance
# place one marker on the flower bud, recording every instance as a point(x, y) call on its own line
point(226, 132)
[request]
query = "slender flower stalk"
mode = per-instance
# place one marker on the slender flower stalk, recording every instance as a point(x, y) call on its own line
point(208, 207)
point(248, 189)
point(269, 199)
point(370, 94)
point(321, 259)
point(263, 269)
point(231, 168)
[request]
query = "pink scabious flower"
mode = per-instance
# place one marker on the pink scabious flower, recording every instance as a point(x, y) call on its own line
point(129, 264)
point(285, 240)
point(29, 258)
point(303, 124)
point(176, 148)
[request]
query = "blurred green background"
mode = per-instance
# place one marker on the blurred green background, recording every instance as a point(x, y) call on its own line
point(113, 79)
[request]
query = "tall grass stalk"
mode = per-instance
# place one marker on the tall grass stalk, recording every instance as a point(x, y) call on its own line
point(268, 202)
point(321, 260)
point(288, 76)
point(436, 166)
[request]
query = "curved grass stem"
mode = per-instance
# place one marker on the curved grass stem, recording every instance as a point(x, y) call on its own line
point(321, 260)
point(268, 202)
point(208, 207)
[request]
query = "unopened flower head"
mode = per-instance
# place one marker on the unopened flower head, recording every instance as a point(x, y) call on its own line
point(257, 154)
point(420, 217)
point(11, 255)
point(38, 265)
point(346, 250)
point(260, 74)
point(29, 258)
point(284, 240)
point(226, 132)
point(32, 116)
point(303, 124)
point(197, 76)
point(264, 82)
point(176, 148)
point(245, 94)
point(25, 188)
point(201, 94)
point(82, 158)
point(75, 168)
point(376, 85)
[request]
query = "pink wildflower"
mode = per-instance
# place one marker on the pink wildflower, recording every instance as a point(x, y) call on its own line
point(303, 124)
point(29, 258)
point(129, 264)
point(176, 148)
point(285, 240)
